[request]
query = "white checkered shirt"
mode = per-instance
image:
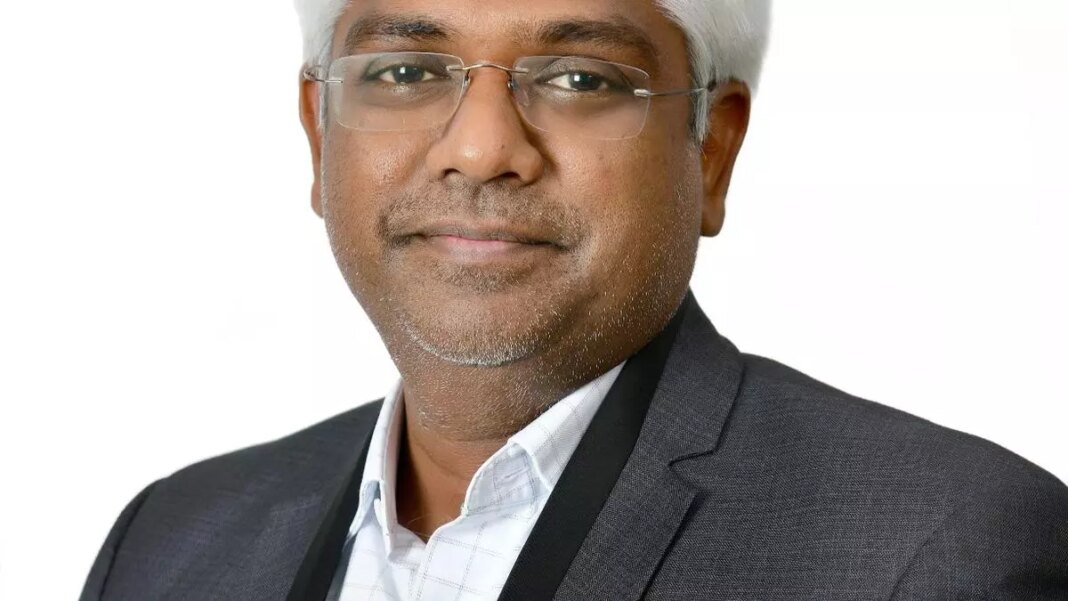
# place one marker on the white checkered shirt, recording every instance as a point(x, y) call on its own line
point(469, 558)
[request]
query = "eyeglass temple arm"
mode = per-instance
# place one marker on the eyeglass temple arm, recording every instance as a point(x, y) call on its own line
point(315, 74)
point(647, 94)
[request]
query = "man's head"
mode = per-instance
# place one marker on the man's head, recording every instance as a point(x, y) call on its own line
point(484, 240)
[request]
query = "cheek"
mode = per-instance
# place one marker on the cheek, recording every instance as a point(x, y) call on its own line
point(358, 174)
point(641, 203)
point(361, 165)
point(359, 171)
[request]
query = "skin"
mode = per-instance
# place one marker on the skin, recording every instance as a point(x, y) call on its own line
point(485, 345)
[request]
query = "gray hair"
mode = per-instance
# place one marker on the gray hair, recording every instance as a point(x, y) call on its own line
point(726, 41)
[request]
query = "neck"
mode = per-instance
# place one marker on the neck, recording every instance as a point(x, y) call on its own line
point(433, 473)
point(455, 418)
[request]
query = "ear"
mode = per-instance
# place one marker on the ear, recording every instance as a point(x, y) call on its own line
point(728, 118)
point(309, 118)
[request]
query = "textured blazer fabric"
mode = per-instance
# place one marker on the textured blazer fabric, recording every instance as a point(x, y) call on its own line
point(744, 480)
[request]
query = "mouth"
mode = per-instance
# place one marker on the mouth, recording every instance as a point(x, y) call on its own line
point(483, 232)
point(483, 244)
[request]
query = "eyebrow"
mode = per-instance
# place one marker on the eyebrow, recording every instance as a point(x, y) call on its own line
point(378, 25)
point(615, 33)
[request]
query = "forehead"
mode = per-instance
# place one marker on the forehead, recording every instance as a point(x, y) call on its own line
point(633, 31)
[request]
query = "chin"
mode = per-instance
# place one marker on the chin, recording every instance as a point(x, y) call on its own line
point(483, 329)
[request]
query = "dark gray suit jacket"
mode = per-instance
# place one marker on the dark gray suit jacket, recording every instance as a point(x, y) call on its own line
point(706, 474)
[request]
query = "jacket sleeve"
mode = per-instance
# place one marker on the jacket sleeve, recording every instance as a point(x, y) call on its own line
point(1007, 543)
point(98, 574)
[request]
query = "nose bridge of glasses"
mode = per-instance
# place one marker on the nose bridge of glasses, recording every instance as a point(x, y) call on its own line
point(510, 72)
point(480, 64)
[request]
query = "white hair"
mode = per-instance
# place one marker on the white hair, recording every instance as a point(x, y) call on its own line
point(726, 41)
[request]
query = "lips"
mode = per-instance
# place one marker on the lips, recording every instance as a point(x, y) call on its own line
point(483, 232)
point(499, 247)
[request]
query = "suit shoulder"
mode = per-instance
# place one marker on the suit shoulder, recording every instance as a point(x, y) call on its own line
point(296, 456)
point(777, 400)
point(206, 514)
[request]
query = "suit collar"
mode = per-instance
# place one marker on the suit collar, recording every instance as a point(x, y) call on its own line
point(323, 554)
point(651, 498)
point(620, 501)
point(696, 393)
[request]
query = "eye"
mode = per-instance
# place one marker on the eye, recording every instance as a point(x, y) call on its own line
point(579, 81)
point(404, 74)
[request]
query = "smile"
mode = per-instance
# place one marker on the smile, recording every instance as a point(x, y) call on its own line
point(483, 244)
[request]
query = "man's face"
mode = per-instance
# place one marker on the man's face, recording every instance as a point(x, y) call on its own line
point(485, 241)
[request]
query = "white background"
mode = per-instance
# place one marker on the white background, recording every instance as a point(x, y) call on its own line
point(895, 228)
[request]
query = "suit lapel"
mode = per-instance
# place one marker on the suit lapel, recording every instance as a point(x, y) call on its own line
point(323, 555)
point(620, 502)
point(650, 501)
point(590, 475)
point(635, 529)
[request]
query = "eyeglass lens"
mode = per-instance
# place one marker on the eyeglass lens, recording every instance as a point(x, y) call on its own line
point(404, 91)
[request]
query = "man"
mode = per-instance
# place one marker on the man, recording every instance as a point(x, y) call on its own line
point(515, 194)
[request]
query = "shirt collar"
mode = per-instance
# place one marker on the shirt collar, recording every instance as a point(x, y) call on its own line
point(544, 447)
point(377, 499)
point(550, 440)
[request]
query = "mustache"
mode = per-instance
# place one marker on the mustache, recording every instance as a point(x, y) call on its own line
point(523, 210)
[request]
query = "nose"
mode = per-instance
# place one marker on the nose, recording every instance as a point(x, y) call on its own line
point(486, 138)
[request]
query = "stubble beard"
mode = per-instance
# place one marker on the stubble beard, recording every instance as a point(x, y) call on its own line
point(473, 348)
point(461, 338)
